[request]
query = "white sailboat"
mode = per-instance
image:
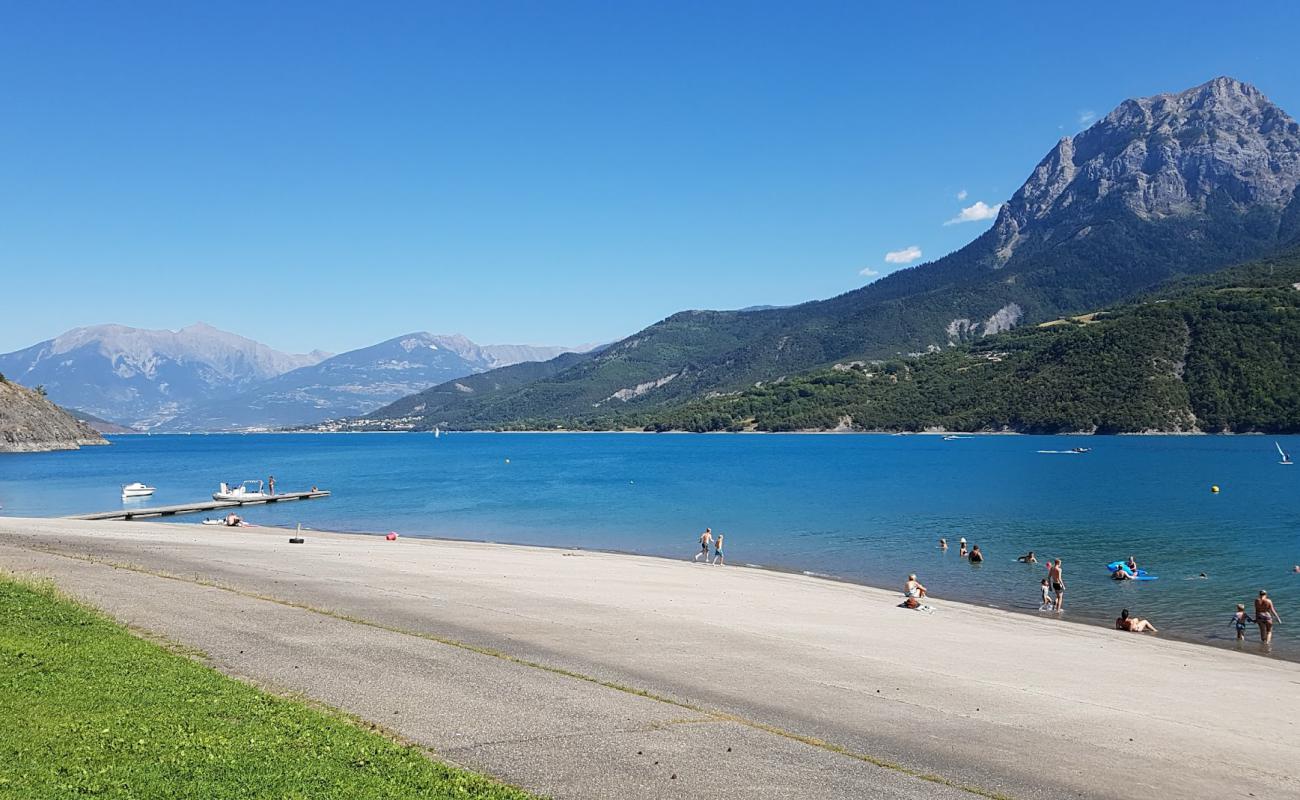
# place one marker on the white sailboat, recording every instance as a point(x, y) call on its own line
point(1286, 457)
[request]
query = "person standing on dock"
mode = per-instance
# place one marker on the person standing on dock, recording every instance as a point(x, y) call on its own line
point(270, 483)
point(706, 539)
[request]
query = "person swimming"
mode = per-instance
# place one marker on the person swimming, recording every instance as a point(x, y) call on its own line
point(943, 543)
point(975, 555)
point(1028, 558)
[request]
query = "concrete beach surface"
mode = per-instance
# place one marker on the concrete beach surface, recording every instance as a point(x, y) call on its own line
point(578, 675)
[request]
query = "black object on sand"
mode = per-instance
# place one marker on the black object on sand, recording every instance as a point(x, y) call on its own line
point(295, 540)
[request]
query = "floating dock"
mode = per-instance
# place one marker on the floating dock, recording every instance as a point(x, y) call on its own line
point(193, 508)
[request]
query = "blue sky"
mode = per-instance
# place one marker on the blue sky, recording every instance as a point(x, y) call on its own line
point(327, 174)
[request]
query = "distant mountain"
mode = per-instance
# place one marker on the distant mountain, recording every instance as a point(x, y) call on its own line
point(145, 377)
point(97, 424)
point(352, 383)
point(30, 422)
point(1163, 186)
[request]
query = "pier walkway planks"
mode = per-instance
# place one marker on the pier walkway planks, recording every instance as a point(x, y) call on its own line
point(192, 508)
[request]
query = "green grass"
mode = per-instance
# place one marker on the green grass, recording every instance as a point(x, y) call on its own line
point(89, 710)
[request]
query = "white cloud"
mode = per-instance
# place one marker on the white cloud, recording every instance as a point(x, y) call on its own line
point(1087, 116)
point(979, 211)
point(868, 272)
point(962, 195)
point(905, 256)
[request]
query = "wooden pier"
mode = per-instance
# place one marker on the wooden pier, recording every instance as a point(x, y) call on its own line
point(193, 508)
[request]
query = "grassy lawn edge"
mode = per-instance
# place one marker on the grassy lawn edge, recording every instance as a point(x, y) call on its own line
point(93, 710)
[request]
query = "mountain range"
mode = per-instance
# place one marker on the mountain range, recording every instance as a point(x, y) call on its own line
point(202, 378)
point(1161, 187)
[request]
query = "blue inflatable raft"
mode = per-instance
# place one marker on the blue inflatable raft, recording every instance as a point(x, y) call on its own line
point(1142, 575)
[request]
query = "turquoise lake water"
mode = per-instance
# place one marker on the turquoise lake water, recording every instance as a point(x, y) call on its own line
point(862, 508)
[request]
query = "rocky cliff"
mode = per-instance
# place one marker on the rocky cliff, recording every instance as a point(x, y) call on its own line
point(1170, 155)
point(29, 422)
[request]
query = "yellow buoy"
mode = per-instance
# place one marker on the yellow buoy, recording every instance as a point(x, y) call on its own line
point(1214, 489)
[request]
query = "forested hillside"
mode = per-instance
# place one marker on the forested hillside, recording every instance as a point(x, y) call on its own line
point(1219, 353)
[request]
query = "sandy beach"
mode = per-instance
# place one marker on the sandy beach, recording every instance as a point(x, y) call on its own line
point(580, 674)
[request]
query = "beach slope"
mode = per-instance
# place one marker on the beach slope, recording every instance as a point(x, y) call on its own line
point(579, 674)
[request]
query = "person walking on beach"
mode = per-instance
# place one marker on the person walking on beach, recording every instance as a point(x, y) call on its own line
point(1058, 583)
point(717, 551)
point(1239, 621)
point(706, 539)
point(1265, 616)
point(270, 482)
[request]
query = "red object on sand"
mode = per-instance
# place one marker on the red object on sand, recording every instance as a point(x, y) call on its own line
point(392, 536)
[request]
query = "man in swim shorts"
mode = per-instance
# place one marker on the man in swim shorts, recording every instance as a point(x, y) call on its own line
point(717, 551)
point(706, 539)
point(1058, 582)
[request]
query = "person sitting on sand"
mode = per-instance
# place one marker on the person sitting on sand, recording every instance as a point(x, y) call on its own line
point(1028, 558)
point(1133, 624)
point(706, 539)
point(1240, 620)
point(943, 543)
point(914, 592)
point(975, 555)
point(1265, 616)
point(233, 520)
point(717, 551)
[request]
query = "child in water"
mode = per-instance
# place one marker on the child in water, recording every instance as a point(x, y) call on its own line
point(1047, 597)
point(1240, 620)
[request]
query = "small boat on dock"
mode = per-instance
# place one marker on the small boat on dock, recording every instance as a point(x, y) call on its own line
point(248, 491)
point(130, 490)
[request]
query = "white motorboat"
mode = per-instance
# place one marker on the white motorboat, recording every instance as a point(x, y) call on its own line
point(136, 490)
point(246, 492)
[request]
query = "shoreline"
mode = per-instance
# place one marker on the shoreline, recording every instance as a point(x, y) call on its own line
point(633, 432)
point(985, 605)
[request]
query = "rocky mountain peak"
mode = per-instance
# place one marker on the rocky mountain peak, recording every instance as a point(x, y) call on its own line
point(1157, 157)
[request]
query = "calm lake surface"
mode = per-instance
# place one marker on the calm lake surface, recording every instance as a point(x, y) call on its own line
point(861, 508)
